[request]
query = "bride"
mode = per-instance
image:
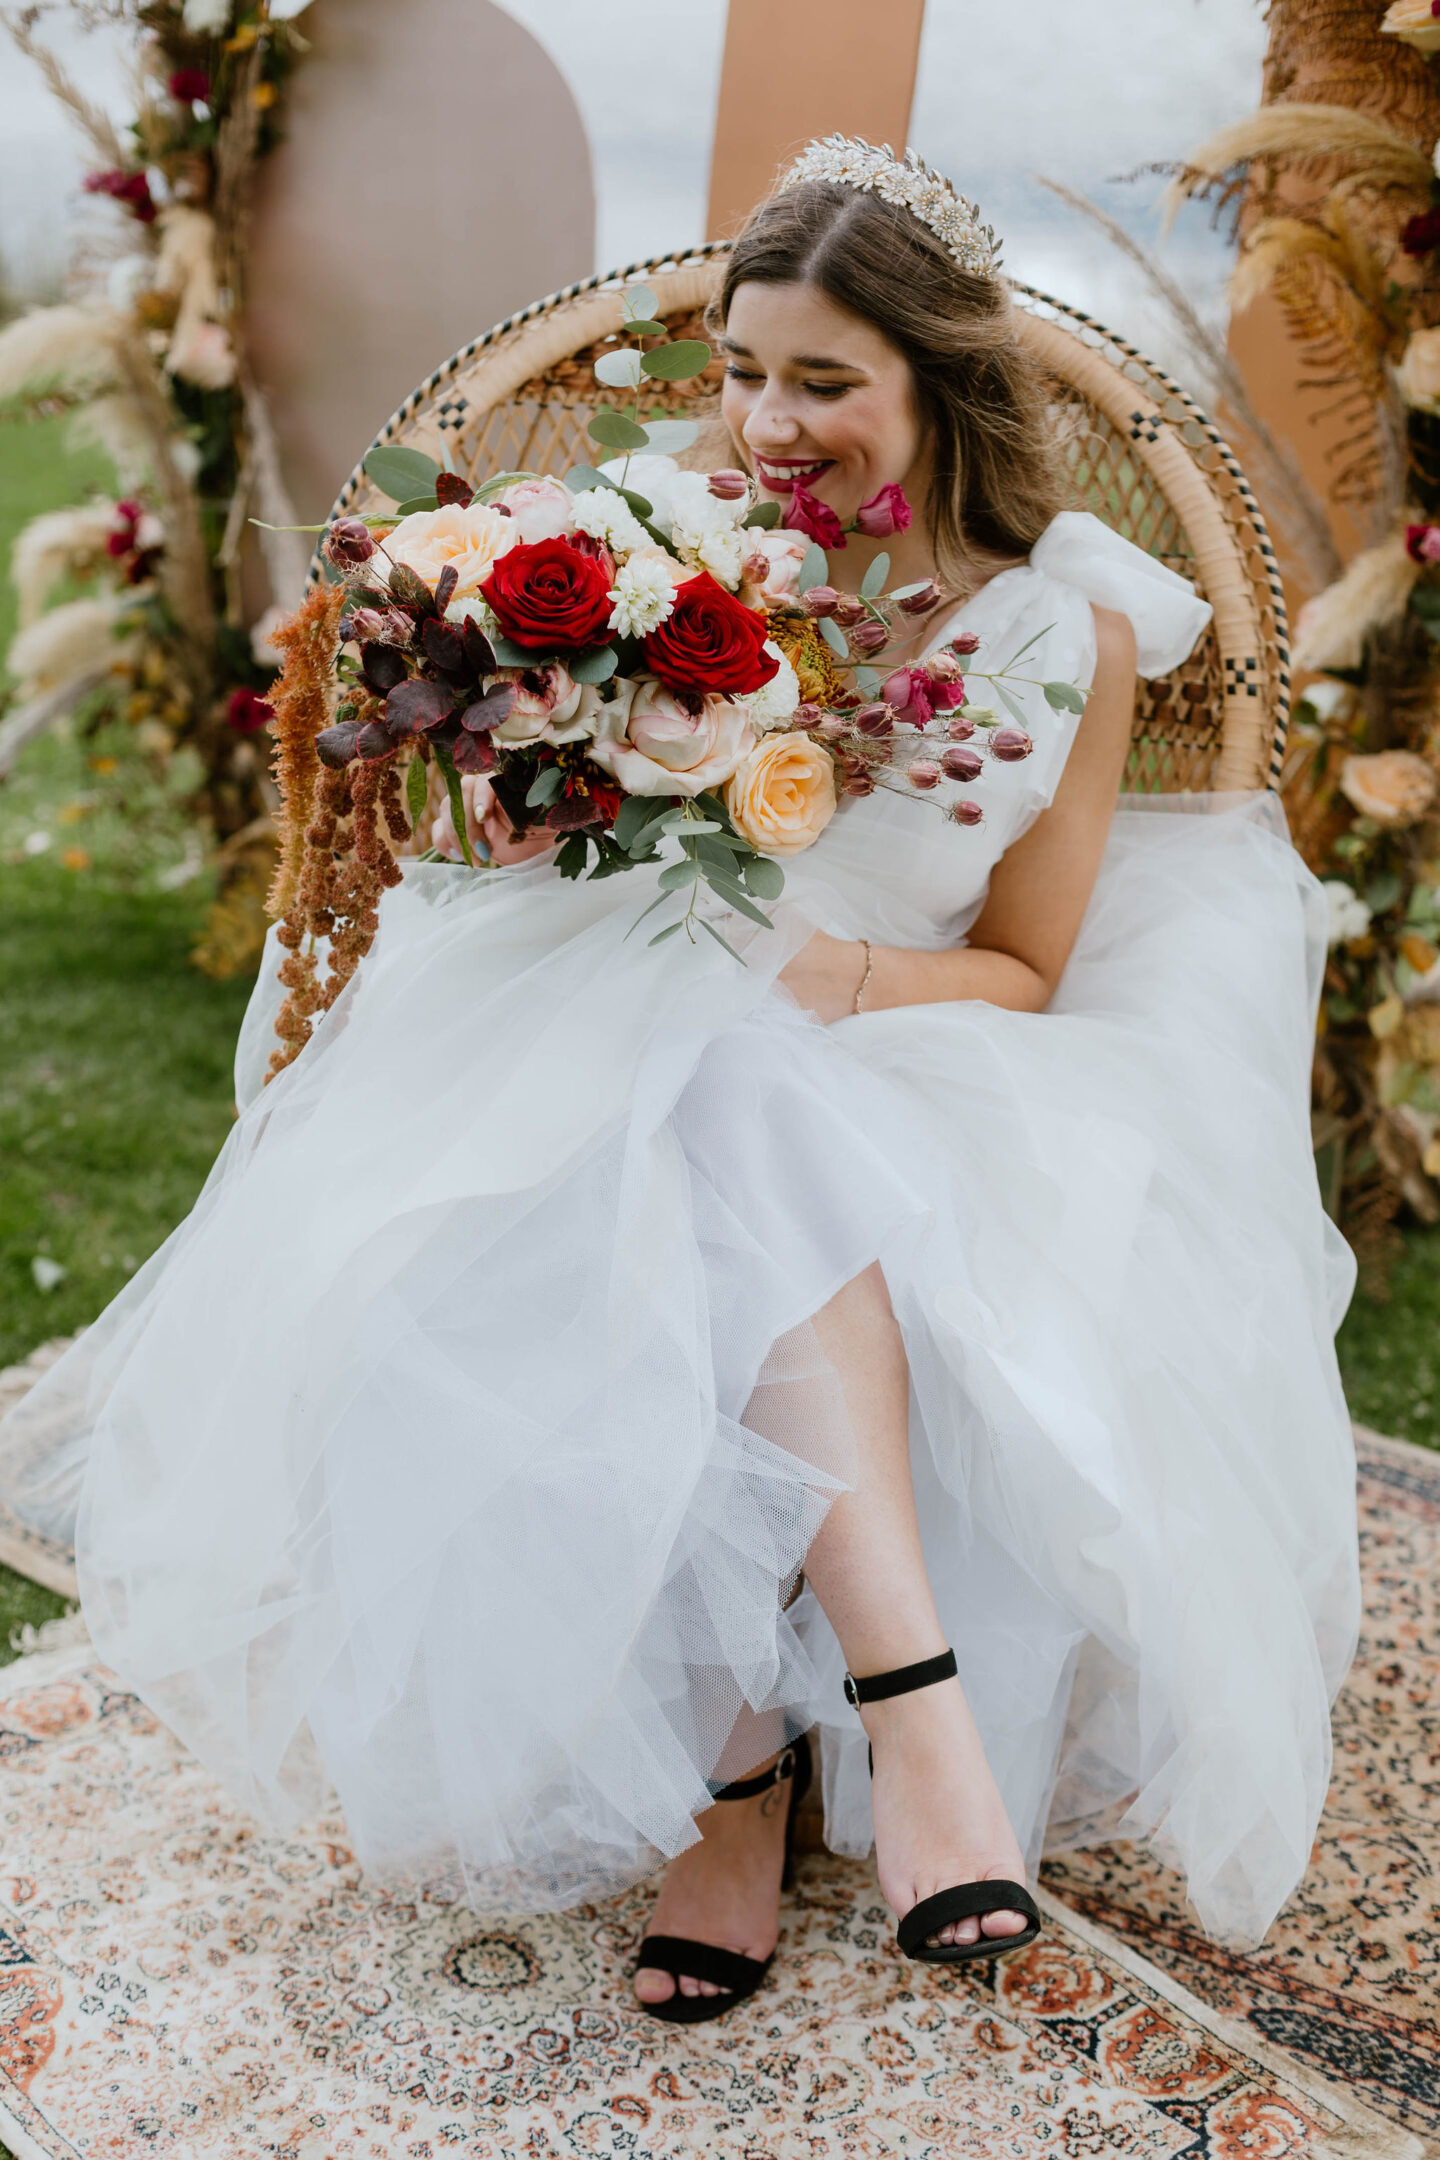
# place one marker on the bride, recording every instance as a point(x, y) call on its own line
point(591, 1369)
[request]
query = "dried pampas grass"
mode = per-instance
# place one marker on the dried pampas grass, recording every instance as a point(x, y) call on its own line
point(50, 546)
point(72, 640)
point(71, 348)
point(1381, 161)
point(1373, 593)
point(115, 424)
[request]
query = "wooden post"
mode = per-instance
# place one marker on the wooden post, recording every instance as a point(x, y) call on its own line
point(794, 69)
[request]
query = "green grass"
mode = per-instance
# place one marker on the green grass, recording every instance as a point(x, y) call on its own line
point(1390, 1352)
point(38, 472)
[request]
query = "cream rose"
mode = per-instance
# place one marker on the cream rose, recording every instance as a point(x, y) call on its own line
point(1394, 787)
point(653, 744)
point(550, 706)
point(1418, 374)
point(469, 540)
point(784, 551)
point(783, 796)
point(540, 509)
point(1412, 22)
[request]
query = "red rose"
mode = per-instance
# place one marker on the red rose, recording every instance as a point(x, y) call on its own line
point(247, 712)
point(709, 643)
point(551, 598)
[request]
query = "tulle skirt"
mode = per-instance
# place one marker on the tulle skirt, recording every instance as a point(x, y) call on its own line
point(461, 1449)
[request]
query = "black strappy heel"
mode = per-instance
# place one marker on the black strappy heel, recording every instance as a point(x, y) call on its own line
point(684, 1959)
point(966, 1901)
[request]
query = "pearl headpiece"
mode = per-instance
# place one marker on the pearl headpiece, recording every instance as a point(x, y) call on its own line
point(910, 185)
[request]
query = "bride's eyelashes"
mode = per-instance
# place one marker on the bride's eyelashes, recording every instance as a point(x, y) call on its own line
point(829, 391)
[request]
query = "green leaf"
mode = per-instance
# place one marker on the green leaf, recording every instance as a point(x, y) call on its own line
point(735, 898)
point(634, 814)
point(509, 654)
point(416, 789)
point(814, 570)
point(592, 667)
point(581, 477)
point(457, 801)
point(669, 931)
point(658, 901)
point(1064, 697)
point(544, 787)
point(1383, 890)
point(867, 680)
point(1425, 602)
point(616, 430)
point(766, 515)
point(834, 638)
point(670, 437)
point(570, 855)
point(721, 940)
point(416, 502)
point(677, 874)
point(903, 592)
point(645, 326)
point(764, 877)
point(639, 300)
point(1012, 705)
point(620, 370)
point(499, 482)
point(677, 362)
point(873, 581)
point(401, 473)
point(1027, 645)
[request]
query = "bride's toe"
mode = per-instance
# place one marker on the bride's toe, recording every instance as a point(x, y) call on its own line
point(652, 1985)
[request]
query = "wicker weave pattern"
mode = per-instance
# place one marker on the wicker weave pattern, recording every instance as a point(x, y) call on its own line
point(1142, 456)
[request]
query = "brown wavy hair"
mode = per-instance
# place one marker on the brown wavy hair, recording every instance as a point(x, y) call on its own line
point(998, 478)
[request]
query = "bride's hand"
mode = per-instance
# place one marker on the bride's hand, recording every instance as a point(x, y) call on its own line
point(485, 824)
point(825, 975)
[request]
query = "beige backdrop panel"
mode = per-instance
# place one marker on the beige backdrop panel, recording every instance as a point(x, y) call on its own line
point(435, 175)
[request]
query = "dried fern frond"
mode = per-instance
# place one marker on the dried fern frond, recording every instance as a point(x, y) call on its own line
point(1330, 284)
point(1311, 136)
point(1374, 592)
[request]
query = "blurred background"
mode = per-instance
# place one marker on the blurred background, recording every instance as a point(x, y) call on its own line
point(233, 236)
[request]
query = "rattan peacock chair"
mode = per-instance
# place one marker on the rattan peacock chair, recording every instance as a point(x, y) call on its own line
point(1141, 455)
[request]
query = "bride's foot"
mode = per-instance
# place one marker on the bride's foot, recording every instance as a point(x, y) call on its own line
point(724, 1891)
point(939, 1818)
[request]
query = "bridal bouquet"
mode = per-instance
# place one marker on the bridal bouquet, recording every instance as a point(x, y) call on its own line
point(642, 658)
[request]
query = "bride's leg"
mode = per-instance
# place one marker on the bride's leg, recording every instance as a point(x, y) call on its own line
point(939, 1818)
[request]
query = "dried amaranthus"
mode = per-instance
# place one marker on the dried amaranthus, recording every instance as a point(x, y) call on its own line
point(310, 641)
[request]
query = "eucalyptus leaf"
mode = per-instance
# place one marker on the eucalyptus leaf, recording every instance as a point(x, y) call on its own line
point(417, 782)
point(457, 801)
point(677, 874)
point(582, 477)
point(592, 667)
point(669, 931)
point(634, 814)
point(764, 877)
point(619, 370)
point(639, 300)
point(416, 502)
point(903, 592)
point(766, 515)
point(1064, 697)
point(544, 787)
point(677, 362)
point(733, 897)
point(642, 326)
point(834, 638)
point(1012, 704)
point(509, 654)
point(873, 581)
point(499, 482)
point(720, 940)
point(401, 473)
point(659, 899)
point(670, 437)
point(1027, 645)
point(867, 680)
point(1383, 890)
point(814, 570)
point(616, 430)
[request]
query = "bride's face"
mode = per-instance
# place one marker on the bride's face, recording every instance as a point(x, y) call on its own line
point(815, 395)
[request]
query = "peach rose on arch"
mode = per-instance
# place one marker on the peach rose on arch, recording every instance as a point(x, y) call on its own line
point(1414, 23)
point(783, 796)
point(657, 743)
point(469, 540)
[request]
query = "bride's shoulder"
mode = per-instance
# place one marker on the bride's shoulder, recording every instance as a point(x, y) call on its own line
point(1165, 613)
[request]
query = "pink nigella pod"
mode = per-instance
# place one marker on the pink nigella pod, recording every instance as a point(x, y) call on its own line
point(820, 600)
point(874, 719)
point(965, 812)
point(366, 625)
point(807, 715)
point(397, 628)
point(966, 642)
point(920, 603)
point(962, 764)
point(348, 542)
point(944, 667)
point(924, 773)
point(959, 728)
point(1010, 745)
point(869, 636)
point(755, 568)
point(849, 611)
point(729, 484)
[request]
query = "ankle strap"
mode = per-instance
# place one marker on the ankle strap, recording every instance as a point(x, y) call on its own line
point(746, 1788)
point(878, 1687)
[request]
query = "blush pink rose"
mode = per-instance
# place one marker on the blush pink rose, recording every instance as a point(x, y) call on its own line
point(655, 742)
point(784, 551)
point(541, 510)
point(549, 706)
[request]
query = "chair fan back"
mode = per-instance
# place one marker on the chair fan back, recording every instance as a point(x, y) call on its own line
point(1141, 456)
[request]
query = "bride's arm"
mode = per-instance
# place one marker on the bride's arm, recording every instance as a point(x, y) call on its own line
point(1038, 892)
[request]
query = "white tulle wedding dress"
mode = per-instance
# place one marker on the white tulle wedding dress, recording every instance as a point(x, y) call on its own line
point(460, 1448)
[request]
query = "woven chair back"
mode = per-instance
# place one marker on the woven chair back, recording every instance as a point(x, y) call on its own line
point(1141, 456)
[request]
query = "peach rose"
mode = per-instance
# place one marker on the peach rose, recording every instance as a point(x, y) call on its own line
point(1394, 787)
point(469, 540)
point(541, 509)
point(783, 796)
point(550, 706)
point(653, 743)
point(1419, 371)
point(1412, 22)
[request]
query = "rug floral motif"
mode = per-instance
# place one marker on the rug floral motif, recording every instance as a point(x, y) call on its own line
point(173, 1981)
point(1349, 1978)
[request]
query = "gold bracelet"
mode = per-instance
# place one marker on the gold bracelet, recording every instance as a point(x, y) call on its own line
point(865, 978)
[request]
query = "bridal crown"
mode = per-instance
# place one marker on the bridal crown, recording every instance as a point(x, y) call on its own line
point(910, 185)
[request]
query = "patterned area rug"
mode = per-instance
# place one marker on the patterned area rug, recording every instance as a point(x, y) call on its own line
point(172, 1982)
point(1349, 1979)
